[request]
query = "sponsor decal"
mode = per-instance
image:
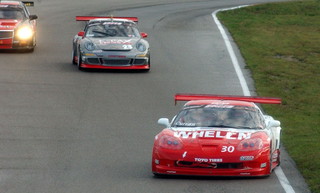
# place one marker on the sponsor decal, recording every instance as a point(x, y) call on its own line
point(208, 160)
point(112, 23)
point(213, 134)
point(184, 154)
point(263, 165)
point(221, 105)
point(123, 42)
point(246, 158)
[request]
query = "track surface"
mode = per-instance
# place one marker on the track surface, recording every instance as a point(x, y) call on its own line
point(67, 131)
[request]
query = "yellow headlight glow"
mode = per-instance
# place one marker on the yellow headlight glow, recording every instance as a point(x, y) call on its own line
point(24, 33)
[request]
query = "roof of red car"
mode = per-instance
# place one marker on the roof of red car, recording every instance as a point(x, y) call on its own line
point(9, 2)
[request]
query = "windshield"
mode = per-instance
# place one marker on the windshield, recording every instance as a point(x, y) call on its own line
point(9, 13)
point(231, 117)
point(112, 29)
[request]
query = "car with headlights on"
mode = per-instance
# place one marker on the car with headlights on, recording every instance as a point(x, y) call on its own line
point(218, 135)
point(17, 26)
point(111, 43)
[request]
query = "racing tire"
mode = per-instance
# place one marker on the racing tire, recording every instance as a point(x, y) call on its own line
point(32, 45)
point(271, 169)
point(147, 70)
point(79, 61)
point(28, 50)
point(278, 159)
point(74, 62)
point(156, 175)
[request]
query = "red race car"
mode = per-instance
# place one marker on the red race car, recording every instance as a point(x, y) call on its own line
point(218, 136)
point(17, 26)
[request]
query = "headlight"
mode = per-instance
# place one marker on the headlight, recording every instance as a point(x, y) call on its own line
point(250, 144)
point(24, 33)
point(170, 142)
point(90, 46)
point(141, 47)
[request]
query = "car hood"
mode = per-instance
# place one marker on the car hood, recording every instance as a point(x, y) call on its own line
point(9, 24)
point(110, 44)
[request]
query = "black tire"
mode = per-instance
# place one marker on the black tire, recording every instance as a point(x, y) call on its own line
point(79, 61)
point(73, 56)
point(156, 175)
point(31, 50)
point(147, 70)
point(33, 44)
point(271, 170)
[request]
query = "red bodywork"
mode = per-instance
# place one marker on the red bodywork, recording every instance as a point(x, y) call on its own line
point(7, 30)
point(7, 26)
point(214, 151)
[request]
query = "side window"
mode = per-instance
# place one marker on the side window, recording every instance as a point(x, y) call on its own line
point(261, 120)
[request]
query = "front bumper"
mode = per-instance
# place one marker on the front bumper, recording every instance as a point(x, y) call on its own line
point(197, 163)
point(170, 167)
point(9, 44)
point(115, 62)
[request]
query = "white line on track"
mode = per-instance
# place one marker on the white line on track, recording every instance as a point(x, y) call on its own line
point(278, 171)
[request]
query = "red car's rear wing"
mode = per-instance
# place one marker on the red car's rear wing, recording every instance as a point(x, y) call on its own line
point(255, 99)
point(88, 18)
point(28, 3)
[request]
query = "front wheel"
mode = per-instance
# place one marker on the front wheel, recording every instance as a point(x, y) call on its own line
point(79, 61)
point(73, 58)
point(147, 70)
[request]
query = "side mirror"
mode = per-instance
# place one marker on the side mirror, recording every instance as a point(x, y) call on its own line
point(81, 33)
point(33, 17)
point(164, 121)
point(143, 34)
point(274, 123)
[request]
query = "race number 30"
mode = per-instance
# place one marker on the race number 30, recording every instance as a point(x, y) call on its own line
point(228, 149)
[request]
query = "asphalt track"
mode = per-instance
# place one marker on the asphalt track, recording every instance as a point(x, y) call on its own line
point(67, 131)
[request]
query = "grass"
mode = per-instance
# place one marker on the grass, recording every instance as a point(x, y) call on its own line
point(280, 43)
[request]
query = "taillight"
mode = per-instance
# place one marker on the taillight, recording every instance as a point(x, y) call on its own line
point(170, 142)
point(250, 144)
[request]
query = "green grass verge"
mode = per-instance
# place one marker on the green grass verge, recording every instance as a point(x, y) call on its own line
point(280, 43)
